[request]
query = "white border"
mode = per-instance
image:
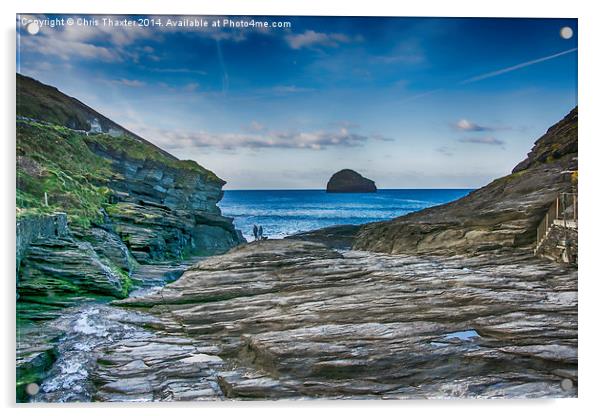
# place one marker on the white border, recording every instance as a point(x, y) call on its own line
point(590, 126)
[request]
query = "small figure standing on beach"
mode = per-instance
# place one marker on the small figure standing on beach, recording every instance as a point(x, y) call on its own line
point(260, 233)
point(255, 232)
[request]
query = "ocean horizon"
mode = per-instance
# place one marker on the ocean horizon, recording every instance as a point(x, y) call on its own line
point(284, 212)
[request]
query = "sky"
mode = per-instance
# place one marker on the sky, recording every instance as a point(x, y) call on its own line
point(407, 102)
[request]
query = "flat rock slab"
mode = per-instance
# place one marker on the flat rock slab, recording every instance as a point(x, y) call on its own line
point(296, 319)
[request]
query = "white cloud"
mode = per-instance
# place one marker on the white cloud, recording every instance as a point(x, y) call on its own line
point(104, 42)
point(100, 42)
point(66, 49)
point(311, 38)
point(466, 125)
point(257, 139)
point(134, 83)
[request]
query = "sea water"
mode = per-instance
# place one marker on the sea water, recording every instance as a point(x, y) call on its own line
point(286, 212)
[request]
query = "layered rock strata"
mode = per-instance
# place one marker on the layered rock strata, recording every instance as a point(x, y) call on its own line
point(297, 319)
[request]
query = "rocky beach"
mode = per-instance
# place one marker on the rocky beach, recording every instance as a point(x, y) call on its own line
point(132, 285)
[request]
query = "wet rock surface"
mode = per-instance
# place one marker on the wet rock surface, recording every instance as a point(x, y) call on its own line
point(297, 319)
point(78, 355)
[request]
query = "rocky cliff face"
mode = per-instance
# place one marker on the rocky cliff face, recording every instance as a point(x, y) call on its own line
point(349, 181)
point(124, 202)
point(503, 214)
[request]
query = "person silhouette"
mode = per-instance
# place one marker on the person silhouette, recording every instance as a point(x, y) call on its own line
point(260, 233)
point(255, 232)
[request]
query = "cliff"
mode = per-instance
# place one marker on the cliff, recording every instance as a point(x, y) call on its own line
point(124, 202)
point(501, 215)
point(349, 181)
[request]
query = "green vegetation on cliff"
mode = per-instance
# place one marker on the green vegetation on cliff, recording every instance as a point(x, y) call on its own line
point(58, 171)
point(60, 167)
point(133, 148)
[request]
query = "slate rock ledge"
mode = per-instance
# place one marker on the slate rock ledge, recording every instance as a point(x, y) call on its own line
point(297, 319)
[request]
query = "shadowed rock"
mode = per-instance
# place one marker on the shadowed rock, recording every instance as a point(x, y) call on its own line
point(337, 236)
point(502, 215)
point(349, 181)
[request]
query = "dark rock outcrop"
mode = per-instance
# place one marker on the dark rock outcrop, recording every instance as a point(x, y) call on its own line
point(34, 227)
point(123, 202)
point(501, 215)
point(297, 319)
point(349, 181)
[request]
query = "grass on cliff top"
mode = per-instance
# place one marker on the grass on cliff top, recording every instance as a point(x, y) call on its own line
point(57, 162)
point(131, 148)
point(43, 102)
point(54, 161)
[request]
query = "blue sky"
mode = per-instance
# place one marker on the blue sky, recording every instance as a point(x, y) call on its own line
point(408, 102)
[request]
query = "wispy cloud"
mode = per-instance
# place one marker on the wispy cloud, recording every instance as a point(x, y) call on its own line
point(311, 38)
point(113, 43)
point(400, 59)
point(466, 125)
point(190, 87)
point(177, 71)
point(515, 67)
point(258, 137)
point(87, 42)
point(346, 124)
point(134, 83)
point(290, 89)
point(254, 127)
point(420, 95)
point(492, 74)
point(489, 140)
point(66, 49)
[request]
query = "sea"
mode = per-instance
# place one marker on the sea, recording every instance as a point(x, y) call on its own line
point(286, 212)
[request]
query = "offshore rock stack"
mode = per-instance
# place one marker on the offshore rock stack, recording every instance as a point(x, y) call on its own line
point(349, 181)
